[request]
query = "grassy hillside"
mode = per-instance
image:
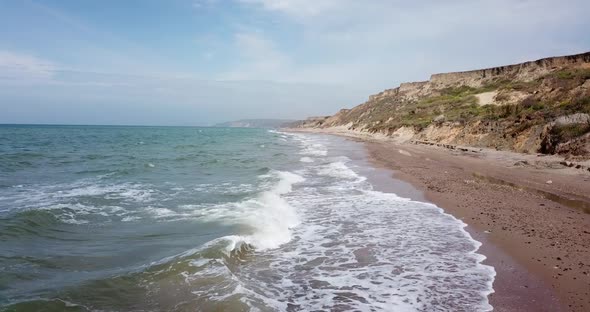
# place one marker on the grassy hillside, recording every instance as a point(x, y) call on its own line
point(539, 108)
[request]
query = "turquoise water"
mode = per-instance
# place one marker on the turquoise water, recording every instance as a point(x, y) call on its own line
point(216, 219)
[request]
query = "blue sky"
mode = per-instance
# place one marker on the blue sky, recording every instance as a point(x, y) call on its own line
point(198, 62)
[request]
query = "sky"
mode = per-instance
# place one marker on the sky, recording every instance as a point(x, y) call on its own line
point(199, 62)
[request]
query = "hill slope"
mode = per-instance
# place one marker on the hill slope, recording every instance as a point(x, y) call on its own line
point(541, 106)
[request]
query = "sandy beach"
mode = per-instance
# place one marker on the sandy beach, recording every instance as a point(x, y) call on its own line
point(530, 214)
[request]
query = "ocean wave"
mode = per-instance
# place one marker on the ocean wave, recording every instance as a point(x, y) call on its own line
point(316, 237)
point(314, 150)
point(268, 215)
point(365, 250)
point(79, 202)
point(309, 146)
point(33, 195)
point(266, 219)
point(77, 213)
point(376, 251)
point(338, 170)
point(39, 223)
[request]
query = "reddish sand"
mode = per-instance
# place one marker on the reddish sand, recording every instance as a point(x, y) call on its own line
point(541, 226)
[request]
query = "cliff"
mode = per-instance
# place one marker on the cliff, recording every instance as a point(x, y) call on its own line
point(540, 106)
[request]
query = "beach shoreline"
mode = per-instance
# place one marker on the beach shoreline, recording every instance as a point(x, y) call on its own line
point(530, 218)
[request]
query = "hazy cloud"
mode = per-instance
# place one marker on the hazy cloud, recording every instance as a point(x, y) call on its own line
point(382, 41)
point(210, 60)
point(24, 67)
point(258, 59)
point(298, 8)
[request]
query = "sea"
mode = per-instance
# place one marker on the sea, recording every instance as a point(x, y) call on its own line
point(114, 218)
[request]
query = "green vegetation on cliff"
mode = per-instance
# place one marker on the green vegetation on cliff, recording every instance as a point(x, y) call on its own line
point(460, 104)
point(512, 107)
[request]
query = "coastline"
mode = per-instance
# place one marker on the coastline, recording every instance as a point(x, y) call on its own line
point(533, 232)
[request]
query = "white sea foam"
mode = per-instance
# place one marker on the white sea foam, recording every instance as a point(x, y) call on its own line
point(130, 218)
point(280, 133)
point(87, 188)
point(225, 188)
point(73, 220)
point(355, 249)
point(310, 147)
point(307, 159)
point(333, 243)
point(77, 213)
point(269, 216)
point(314, 150)
point(82, 201)
point(274, 217)
point(338, 170)
point(200, 262)
point(322, 238)
point(376, 251)
point(161, 212)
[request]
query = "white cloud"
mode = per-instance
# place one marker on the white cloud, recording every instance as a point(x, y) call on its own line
point(259, 59)
point(298, 8)
point(199, 4)
point(302, 57)
point(19, 66)
point(384, 42)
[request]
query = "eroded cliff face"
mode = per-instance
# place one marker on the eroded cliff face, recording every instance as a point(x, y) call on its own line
point(527, 71)
point(539, 106)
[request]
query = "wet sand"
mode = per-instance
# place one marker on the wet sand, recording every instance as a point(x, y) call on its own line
point(531, 219)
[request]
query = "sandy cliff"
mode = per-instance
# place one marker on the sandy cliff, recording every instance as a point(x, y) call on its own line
point(541, 106)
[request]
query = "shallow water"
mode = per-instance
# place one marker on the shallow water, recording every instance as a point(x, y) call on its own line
point(201, 219)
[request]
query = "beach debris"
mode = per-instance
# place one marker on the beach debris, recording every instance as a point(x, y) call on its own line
point(403, 152)
point(549, 182)
point(521, 163)
point(487, 232)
